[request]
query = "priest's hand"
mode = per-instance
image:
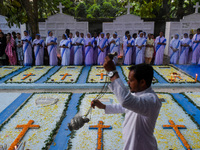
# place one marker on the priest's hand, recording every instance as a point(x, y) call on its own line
point(98, 104)
point(109, 64)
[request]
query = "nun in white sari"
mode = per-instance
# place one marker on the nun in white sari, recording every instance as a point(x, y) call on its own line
point(89, 52)
point(140, 48)
point(175, 46)
point(65, 50)
point(38, 45)
point(51, 43)
point(186, 43)
point(114, 46)
point(27, 48)
point(78, 42)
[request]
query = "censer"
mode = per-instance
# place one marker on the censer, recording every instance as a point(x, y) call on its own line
point(78, 121)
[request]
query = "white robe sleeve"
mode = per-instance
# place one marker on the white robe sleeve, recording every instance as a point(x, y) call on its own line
point(114, 109)
point(143, 105)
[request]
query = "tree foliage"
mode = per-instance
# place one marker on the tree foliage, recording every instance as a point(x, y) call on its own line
point(29, 11)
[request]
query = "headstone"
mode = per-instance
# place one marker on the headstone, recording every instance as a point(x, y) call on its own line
point(59, 22)
point(188, 24)
point(5, 28)
point(128, 22)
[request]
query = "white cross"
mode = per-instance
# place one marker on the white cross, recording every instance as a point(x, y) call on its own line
point(60, 7)
point(197, 6)
point(128, 8)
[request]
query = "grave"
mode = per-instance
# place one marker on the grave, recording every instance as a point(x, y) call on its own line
point(128, 22)
point(5, 28)
point(188, 24)
point(59, 22)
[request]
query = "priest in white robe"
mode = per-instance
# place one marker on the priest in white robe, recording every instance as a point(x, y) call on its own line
point(51, 43)
point(139, 103)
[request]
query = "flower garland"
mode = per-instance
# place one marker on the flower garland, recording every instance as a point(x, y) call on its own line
point(6, 70)
point(96, 74)
point(66, 74)
point(30, 75)
point(22, 133)
point(178, 133)
point(172, 74)
point(85, 137)
point(194, 98)
point(166, 139)
point(50, 122)
point(100, 128)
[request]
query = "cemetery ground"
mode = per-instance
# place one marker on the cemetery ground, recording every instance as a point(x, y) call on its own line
point(44, 99)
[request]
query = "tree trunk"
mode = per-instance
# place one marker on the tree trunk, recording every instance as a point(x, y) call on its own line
point(180, 11)
point(1, 4)
point(32, 15)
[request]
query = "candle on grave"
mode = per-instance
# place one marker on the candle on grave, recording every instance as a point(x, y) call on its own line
point(171, 77)
point(196, 78)
point(174, 78)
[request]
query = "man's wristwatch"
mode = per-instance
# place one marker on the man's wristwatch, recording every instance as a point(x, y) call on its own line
point(112, 73)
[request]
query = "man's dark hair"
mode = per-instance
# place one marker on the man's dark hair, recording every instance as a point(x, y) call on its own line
point(143, 71)
point(198, 29)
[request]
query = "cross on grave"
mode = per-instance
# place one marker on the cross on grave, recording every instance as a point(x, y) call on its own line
point(178, 133)
point(60, 7)
point(70, 67)
point(65, 75)
point(39, 67)
point(8, 67)
point(100, 128)
point(197, 6)
point(99, 67)
point(27, 75)
point(101, 75)
point(24, 128)
point(128, 8)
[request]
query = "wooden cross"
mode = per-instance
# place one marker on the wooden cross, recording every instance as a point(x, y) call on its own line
point(101, 75)
point(100, 128)
point(197, 6)
point(128, 8)
point(60, 7)
point(65, 75)
point(27, 75)
point(178, 133)
point(24, 128)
